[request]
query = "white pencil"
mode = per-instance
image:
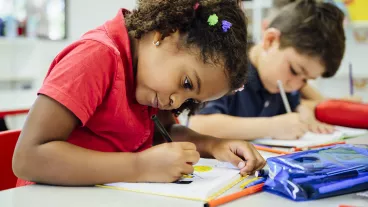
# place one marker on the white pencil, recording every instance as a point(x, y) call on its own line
point(283, 96)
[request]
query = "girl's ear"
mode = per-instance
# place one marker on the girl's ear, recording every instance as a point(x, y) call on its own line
point(157, 38)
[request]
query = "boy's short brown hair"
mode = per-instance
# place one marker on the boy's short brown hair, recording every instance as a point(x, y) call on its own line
point(314, 29)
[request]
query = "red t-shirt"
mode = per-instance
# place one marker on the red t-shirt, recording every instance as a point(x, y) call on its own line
point(94, 79)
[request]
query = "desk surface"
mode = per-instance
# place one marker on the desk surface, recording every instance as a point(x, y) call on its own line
point(46, 196)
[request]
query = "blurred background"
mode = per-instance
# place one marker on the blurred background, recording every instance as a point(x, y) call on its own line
point(32, 32)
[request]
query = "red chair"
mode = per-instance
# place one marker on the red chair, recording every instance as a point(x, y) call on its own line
point(8, 140)
point(13, 112)
point(3, 126)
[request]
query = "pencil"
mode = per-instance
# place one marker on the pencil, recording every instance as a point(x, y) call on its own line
point(262, 173)
point(295, 149)
point(351, 81)
point(242, 186)
point(267, 149)
point(234, 196)
point(162, 129)
point(283, 96)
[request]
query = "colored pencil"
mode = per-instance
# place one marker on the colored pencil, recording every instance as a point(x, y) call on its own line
point(242, 186)
point(234, 196)
point(296, 149)
point(267, 149)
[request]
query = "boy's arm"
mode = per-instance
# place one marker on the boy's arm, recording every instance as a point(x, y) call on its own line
point(310, 93)
point(230, 127)
point(42, 155)
point(310, 97)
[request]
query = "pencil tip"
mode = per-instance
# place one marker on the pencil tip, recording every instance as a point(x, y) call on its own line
point(206, 205)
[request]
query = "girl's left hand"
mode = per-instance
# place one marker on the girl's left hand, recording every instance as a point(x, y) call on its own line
point(239, 153)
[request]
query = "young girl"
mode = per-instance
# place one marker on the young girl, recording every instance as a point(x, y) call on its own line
point(91, 121)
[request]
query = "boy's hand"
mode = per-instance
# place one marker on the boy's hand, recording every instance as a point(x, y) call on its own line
point(166, 162)
point(320, 128)
point(308, 117)
point(287, 126)
point(239, 153)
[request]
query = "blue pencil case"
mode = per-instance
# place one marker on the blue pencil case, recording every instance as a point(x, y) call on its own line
point(319, 173)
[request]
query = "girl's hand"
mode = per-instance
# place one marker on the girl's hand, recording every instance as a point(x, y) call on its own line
point(166, 162)
point(239, 153)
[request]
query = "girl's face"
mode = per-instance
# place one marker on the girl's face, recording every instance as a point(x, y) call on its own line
point(167, 75)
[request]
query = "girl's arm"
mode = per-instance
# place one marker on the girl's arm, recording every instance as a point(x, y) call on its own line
point(42, 155)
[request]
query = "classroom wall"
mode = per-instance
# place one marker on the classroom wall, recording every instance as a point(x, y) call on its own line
point(92, 13)
point(32, 58)
point(27, 58)
point(24, 58)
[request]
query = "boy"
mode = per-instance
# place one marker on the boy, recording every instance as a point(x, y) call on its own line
point(310, 96)
point(305, 41)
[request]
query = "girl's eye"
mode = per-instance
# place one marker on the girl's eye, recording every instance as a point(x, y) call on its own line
point(187, 84)
point(192, 101)
point(293, 71)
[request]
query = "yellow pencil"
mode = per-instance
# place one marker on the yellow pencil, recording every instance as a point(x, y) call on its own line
point(248, 182)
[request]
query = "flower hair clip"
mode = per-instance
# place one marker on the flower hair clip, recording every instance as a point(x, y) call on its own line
point(239, 89)
point(226, 25)
point(213, 20)
point(195, 7)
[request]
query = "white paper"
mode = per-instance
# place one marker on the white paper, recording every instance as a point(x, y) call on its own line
point(204, 182)
point(310, 139)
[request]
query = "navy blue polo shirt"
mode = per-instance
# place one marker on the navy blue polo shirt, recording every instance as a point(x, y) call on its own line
point(253, 101)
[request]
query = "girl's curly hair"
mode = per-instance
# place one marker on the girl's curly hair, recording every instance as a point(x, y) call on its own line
point(215, 45)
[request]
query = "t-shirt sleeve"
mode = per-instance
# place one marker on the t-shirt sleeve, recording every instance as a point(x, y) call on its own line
point(219, 106)
point(80, 77)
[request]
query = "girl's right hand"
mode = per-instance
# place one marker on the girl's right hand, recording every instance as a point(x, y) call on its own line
point(166, 162)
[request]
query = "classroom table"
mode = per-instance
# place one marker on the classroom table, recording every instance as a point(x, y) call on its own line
point(46, 196)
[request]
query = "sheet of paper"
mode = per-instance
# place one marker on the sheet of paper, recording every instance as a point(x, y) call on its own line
point(310, 138)
point(209, 176)
point(351, 132)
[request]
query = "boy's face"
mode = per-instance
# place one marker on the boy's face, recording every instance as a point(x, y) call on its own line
point(287, 65)
point(168, 76)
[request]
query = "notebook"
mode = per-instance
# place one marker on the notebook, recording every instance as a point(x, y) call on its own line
point(310, 139)
point(211, 178)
